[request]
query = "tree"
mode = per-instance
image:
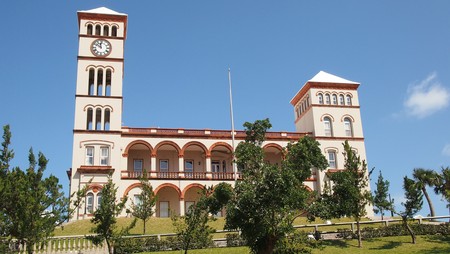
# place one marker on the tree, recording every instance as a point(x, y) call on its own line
point(412, 204)
point(349, 195)
point(426, 178)
point(269, 197)
point(380, 200)
point(443, 185)
point(31, 205)
point(105, 218)
point(144, 208)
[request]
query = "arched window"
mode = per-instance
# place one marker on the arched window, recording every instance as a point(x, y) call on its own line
point(114, 31)
point(332, 159)
point(108, 83)
point(89, 119)
point(341, 99)
point(91, 81)
point(89, 203)
point(99, 82)
point(307, 102)
point(98, 119)
point(328, 127)
point(320, 97)
point(348, 127)
point(327, 99)
point(349, 100)
point(99, 200)
point(107, 120)
point(334, 99)
point(106, 30)
point(89, 29)
point(98, 29)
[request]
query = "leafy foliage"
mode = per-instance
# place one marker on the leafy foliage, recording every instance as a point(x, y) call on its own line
point(426, 178)
point(443, 185)
point(105, 217)
point(31, 205)
point(380, 199)
point(270, 197)
point(349, 195)
point(145, 208)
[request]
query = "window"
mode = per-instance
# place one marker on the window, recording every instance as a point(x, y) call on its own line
point(89, 29)
point(334, 99)
point(320, 97)
point(108, 83)
point(164, 165)
point(89, 116)
point(327, 99)
point(137, 200)
point(224, 166)
point(89, 156)
point(349, 100)
point(348, 127)
point(100, 82)
point(332, 159)
point(99, 200)
point(297, 110)
point(163, 209)
point(328, 127)
point(114, 31)
point(189, 165)
point(89, 203)
point(187, 205)
point(341, 99)
point(138, 165)
point(307, 102)
point(104, 156)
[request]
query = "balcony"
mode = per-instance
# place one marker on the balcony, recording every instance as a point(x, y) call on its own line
point(204, 176)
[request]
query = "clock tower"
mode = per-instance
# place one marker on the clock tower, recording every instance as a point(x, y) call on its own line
point(98, 103)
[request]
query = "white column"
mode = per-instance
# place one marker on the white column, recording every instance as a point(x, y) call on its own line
point(182, 207)
point(181, 163)
point(153, 163)
point(208, 164)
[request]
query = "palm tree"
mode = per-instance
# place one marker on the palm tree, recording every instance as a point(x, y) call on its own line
point(426, 178)
point(443, 187)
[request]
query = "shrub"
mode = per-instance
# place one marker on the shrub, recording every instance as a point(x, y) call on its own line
point(235, 240)
point(399, 230)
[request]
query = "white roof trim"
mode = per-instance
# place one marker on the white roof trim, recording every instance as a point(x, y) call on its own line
point(324, 77)
point(103, 10)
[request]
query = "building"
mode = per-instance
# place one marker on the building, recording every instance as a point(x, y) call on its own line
point(181, 161)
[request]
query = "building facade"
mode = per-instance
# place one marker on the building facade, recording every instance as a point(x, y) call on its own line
point(180, 162)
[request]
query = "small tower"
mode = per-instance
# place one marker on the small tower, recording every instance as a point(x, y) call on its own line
point(98, 103)
point(327, 106)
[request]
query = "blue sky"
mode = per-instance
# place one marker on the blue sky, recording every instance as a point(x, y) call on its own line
point(177, 54)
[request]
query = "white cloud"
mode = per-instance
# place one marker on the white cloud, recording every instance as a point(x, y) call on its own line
point(446, 150)
point(426, 97)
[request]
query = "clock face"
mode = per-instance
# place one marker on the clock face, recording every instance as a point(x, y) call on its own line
point(101, 47)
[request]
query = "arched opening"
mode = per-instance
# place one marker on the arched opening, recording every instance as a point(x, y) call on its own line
point(273, 154)
point(114, 31)
point(191, 196)
point(108, 83)
point(221, 161)
point(89, 203)
point(89, 119)
point(168, 201)
point(91, 81)
point(348, 127)
point(194, 160)
point(167, 160)
point(341, 100)
point(320, 98)
point(106, 30)
point(98, 119)
point(98, 29)
point(106, 121)
point(89, 29)
point(138, 158)
point(99, 82)
point(327, 99)
point(334, 99)
point(349, 100)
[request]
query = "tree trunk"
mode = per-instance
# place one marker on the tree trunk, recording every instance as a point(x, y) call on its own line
point(144, 227)
point(405, 223)
point(110, 247)
point(430, 204)
point(382, 214)
point(270, 246)
point(358, 230)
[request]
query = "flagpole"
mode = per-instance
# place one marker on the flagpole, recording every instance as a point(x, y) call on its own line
point(232, 126)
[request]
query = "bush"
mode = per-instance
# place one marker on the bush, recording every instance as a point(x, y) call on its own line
point(298, 242)
point(399, 230)
point(145, 244)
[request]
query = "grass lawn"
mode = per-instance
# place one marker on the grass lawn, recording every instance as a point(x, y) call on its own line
point(397, 245)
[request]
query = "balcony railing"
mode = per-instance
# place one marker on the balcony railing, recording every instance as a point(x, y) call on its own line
point(129, 174)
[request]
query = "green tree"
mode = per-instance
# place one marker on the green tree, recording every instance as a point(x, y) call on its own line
point(426, 178)
point(380, 199)
point(6, 155)
point(105, 218)
point(443, 185)
point(270, 197)
point(412, 205)
point(144, 209)
point(350, 195)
